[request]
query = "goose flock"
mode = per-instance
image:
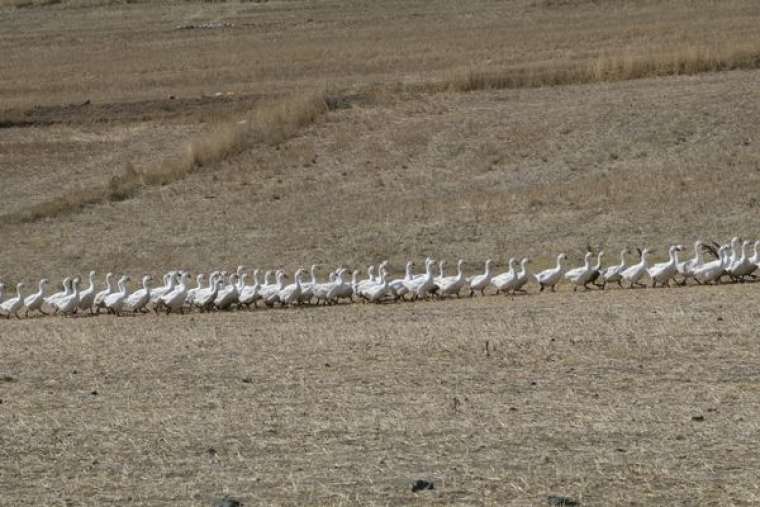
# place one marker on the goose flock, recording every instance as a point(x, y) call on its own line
point(225, 291)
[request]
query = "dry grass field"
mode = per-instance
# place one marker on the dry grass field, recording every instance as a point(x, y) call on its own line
point(147, 136)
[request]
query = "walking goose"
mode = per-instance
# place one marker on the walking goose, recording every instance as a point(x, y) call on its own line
point(69, 304)
point(550, 277)
point(505, 281)
point(614, 273)
point(115, 302)
point(137, 301)
point(480, 282)
point(34, 302)
point(581, 276)
point(662, 273)
point(633, 274)
point(13, 305)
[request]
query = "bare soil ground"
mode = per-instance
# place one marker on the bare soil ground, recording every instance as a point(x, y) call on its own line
point(623, 397)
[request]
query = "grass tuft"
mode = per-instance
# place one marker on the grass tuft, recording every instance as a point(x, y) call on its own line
point(271, 123)
point(605, 68)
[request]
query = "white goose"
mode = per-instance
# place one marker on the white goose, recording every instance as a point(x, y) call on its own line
point(452, 285)
point(87, 296)
point(523, 276)
point(115, 302)
point(734, 252)
point(290, 294)
point(550, 277)
point(744, 266)
point(69, 304)
point(506, 281)
point(321, 290)
point(34, 302)
point(205, 300)
point(250, 293)
point(174, 301)
point(227, 296)
point(662, 273)
point(307, 288)
point(378, 291)
point(398, 286)
point(138, 300)
point(369, 281)
point(338, 288)
point(67, 290)
point(480, 282)
point(686, 268)
point(581, 276)
point(170, 283)
point(98, 301)
point(712, 271)
point(13, 305)
point(421, 287)
point(344, 290)
point(441, 272)
point(634, 273)
point(211, 287)
point(614, 273)
point(271, 293)
point(755, 259)
point(199, 286)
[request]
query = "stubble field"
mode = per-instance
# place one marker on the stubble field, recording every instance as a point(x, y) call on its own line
point(351, 133)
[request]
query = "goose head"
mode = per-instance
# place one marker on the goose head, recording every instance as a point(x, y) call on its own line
point(511, 262)
point(240, 270)
point(587, 259)
point(43, 284)
point(146, 280)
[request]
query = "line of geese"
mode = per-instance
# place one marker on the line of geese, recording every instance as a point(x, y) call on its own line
point(224, 291)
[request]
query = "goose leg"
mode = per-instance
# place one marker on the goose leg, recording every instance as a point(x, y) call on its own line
point(541, 289)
